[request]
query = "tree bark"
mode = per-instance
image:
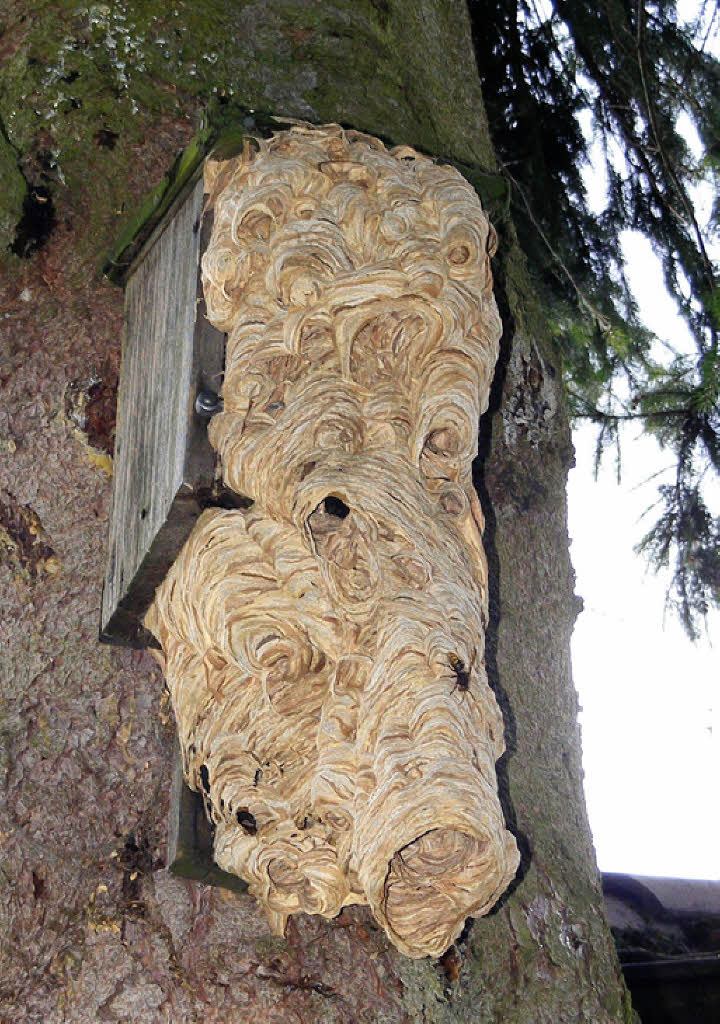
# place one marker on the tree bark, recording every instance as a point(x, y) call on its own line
point(95, 101)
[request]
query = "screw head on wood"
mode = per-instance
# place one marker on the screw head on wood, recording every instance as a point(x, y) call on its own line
point(207, 403)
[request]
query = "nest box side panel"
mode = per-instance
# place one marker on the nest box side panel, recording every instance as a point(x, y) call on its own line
point(190, 836)
point(162, 456)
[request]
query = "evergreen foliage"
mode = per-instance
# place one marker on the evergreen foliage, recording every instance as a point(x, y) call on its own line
point(628, 69)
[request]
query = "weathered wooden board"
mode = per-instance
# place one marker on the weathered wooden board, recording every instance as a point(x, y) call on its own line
point(164, 466)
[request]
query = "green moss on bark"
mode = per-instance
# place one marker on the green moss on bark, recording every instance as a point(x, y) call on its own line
point(12, 194)
point(88, 83)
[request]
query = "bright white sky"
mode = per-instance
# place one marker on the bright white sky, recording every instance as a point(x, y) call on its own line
point(650, 698)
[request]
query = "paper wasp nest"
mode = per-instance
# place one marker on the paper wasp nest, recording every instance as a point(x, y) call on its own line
point(324, 649)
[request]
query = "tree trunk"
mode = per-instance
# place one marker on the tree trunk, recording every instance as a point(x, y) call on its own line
point(95, 101)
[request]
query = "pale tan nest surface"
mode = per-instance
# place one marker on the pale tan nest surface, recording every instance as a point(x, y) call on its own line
point(324, 650)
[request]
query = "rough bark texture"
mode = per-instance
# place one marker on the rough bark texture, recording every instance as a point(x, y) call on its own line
point(94, 102)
